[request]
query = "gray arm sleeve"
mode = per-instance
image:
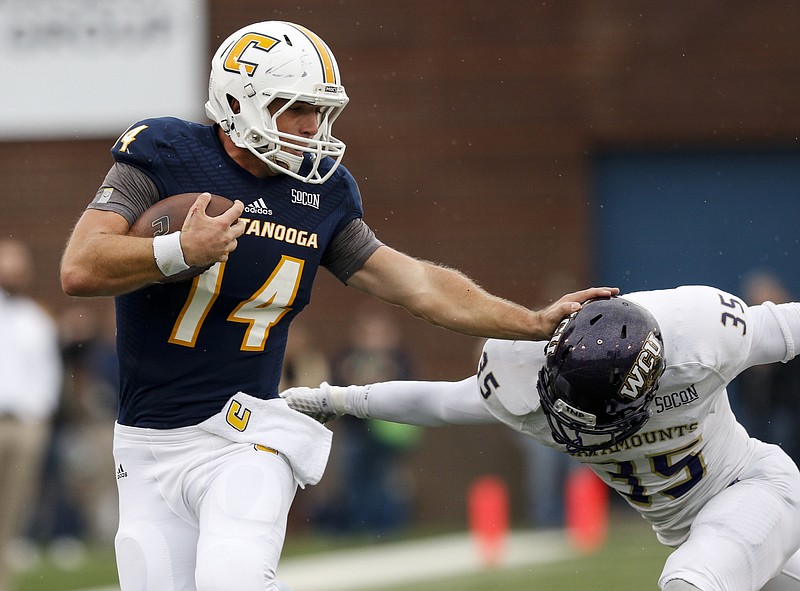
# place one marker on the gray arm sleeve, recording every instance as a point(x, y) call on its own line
point(350, 249)
point(126, 190)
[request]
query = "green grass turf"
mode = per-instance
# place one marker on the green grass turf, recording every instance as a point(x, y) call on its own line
point(98, 569)
point(631, 560)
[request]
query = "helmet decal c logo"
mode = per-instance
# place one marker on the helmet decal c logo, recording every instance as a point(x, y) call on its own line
point(233, 61)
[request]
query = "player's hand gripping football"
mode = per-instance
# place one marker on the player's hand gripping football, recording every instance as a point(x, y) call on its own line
point(322, 404)
point(206, 240)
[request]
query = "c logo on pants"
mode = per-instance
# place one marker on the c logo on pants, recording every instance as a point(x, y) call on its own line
point(238, 416)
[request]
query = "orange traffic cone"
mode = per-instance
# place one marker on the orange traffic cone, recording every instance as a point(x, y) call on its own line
point(586, 509)
point(489, 517)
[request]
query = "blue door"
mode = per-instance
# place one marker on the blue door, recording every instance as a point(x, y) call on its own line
point(664, 219)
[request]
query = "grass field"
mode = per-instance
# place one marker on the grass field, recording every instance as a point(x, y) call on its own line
point(631, 560)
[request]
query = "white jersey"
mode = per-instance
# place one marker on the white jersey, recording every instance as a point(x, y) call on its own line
point(728, 503)
point(692, 447)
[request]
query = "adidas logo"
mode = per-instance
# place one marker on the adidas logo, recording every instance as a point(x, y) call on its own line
point(121, 473)
point(258, 206)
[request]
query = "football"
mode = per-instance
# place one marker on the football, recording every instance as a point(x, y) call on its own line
point(167, 216)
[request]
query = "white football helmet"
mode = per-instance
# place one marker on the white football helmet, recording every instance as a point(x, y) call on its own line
point(277, 60)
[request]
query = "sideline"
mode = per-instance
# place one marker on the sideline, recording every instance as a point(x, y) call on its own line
point(412, 561)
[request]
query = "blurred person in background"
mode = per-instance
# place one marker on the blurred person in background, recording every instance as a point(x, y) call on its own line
point(768, 396)
point(374, 489)
point(546, 471)
point(304, 364)
point(30, 386)
point(77, 500)
point(87, 415)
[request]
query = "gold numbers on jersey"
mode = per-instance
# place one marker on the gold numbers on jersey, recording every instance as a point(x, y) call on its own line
point(260, 312)
point(205, 289)
point(269, 304)
point(667, 465)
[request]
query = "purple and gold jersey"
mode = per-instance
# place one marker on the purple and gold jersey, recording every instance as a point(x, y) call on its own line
point(224, 331)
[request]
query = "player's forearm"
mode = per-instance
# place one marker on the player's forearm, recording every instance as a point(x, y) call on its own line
point(456, 302)
point(449, 299)
point(107, 266)
point(427, 403)
point(444, 297)
point(102, 260)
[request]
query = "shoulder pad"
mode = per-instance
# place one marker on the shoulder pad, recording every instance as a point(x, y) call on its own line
point(514, 365)
point(141, 142)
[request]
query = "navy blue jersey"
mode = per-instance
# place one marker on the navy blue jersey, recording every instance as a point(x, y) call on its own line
point(185, 348)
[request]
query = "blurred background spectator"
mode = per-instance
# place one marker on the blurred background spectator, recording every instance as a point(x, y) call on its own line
point(373, 491)
point(546, 472)
point(304, 364)
point(767, 397)
point(30, 386)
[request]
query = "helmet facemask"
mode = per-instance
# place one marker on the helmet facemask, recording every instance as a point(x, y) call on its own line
point(578, 430)
point(255, 128)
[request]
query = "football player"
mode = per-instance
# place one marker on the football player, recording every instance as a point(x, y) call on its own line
point(208, 456)
point(635, 387)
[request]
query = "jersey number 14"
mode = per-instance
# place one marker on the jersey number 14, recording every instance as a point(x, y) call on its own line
point(261, 312)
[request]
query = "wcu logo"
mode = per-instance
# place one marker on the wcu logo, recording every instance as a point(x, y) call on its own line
point(645, 370)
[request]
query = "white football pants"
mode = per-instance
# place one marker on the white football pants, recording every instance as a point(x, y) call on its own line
point(747, 534)
point(198, 512)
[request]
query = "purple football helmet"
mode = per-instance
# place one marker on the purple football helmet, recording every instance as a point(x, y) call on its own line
point(602, 369)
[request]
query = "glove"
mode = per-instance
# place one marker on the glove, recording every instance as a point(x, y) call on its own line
point(322, 404)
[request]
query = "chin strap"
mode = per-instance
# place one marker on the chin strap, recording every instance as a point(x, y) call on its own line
point(283, 160)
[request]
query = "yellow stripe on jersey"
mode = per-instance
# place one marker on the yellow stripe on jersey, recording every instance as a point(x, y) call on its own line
point(324, 54)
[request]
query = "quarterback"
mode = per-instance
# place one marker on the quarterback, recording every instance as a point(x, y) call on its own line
point(635, 387)
point(208, 455)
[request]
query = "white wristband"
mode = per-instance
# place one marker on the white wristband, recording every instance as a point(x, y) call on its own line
point(356, 401)
point(168, 254)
